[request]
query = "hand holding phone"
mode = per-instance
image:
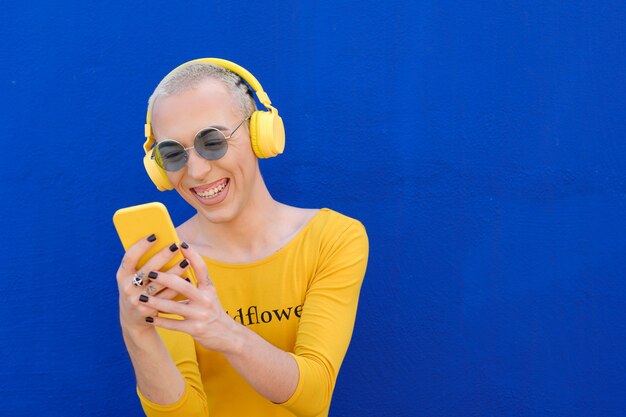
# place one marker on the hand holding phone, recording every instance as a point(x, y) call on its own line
point(137, 222)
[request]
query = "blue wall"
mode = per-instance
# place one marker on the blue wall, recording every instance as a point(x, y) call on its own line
point(481, 143)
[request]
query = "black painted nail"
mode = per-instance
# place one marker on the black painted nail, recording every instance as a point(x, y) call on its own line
point(151, 238)
point(153, 275)
point(184, 263)
point(149, 319)
point(143, 298)
point(173, 247)
point(184, 245)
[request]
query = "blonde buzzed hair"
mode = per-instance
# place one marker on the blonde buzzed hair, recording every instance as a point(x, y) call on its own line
point(190, 76)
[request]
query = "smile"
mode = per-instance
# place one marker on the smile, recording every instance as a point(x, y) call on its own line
point(212, 192)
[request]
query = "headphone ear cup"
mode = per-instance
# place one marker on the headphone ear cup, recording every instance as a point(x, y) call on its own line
point(156, 173)
point(267, 134)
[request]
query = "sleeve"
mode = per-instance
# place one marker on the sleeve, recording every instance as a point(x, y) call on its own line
point(193, 402)
point(327, 321)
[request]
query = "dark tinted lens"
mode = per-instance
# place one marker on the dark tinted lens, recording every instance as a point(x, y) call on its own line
point(211, 144)
point(170, 155)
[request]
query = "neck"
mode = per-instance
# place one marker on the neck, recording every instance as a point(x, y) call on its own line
point(245, 236)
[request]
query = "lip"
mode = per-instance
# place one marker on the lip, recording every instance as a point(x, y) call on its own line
point(205, 187)
point(213, 200)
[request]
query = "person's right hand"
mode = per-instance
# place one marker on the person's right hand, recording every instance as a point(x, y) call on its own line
point(133, 312)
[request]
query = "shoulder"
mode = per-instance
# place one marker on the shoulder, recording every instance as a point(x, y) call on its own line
point(336, 229)
point(342, 248)
point(331, 219)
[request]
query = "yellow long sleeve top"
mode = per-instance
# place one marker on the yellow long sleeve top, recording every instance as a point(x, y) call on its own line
point(302, 299)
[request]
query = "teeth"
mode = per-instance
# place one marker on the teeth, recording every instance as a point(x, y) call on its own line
point(211, 192)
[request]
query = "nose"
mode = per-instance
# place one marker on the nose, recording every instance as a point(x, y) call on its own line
point(197, 167)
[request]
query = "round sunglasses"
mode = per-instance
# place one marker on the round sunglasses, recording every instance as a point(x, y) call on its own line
point(210, 143)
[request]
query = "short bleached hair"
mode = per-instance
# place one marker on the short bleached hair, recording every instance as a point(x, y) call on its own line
point(190, 76)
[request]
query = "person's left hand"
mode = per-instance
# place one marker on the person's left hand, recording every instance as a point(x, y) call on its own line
point(203, 316)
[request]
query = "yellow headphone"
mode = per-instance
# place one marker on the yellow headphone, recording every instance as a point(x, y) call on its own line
point(267, 133)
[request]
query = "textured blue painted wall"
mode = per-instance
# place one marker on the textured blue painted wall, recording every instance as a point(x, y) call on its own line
point(481, 143)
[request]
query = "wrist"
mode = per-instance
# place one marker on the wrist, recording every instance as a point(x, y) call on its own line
point(236, 339)
point(137, 334)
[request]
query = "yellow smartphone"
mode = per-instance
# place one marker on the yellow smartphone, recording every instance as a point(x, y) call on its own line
point(138, 222)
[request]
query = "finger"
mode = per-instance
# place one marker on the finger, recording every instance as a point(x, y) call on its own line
point(171, 324)
point(133, 284)
point(179, 268)
point(167, 294)
point(134, 253)
point(166, 306)
point(198, 265)
point(140, 309)
point(154, 288)
point(161, 258)
point(178, 284)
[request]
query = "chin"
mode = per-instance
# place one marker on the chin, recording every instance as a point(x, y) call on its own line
point(224, 212)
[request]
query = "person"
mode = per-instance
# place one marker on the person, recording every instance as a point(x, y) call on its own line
point(266, 329)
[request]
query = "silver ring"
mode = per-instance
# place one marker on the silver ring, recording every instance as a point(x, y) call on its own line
point(138, 279)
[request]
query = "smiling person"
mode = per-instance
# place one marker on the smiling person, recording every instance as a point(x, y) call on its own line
point(266, 329)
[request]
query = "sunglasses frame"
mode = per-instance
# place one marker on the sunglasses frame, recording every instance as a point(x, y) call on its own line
point(226, 139)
